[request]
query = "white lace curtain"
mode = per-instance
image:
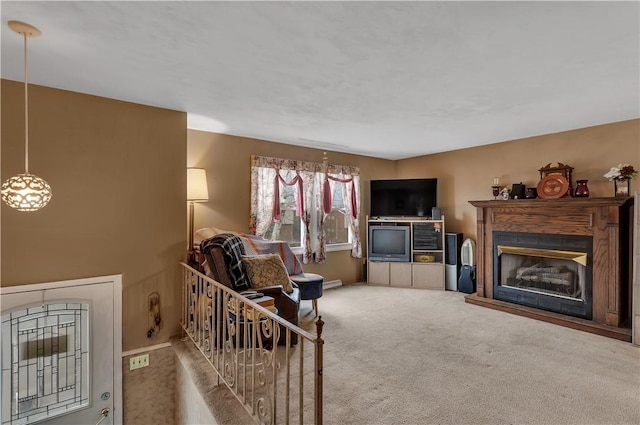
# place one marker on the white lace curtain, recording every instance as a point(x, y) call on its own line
point(315, 186)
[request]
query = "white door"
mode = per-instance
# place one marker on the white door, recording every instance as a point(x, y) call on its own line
point(61, 352)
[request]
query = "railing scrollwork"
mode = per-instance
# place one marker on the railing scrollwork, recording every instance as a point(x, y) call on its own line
point(249, 347)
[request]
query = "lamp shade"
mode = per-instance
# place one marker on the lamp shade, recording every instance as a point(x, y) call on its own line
point(26, 192)
point(197, 190)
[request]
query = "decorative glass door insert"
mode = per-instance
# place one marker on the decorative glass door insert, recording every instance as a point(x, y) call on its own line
point(45, 361)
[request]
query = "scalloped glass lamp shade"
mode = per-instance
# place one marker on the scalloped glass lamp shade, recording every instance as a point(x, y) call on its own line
point(26, 192)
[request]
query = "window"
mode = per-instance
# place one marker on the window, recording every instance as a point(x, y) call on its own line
point(336, 223)
point(336, 226)
point(289, 228)
point(316, 209)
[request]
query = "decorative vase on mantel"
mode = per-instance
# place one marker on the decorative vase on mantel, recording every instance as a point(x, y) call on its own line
point(582, 191)
point(621, 185)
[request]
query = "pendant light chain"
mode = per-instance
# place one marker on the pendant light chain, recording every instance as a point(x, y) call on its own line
point(26, 110)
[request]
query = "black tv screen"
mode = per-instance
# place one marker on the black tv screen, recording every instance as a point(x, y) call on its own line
point(389, 243)
point(403, 197)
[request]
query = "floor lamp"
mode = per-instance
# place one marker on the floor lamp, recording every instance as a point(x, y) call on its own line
point(197, 191)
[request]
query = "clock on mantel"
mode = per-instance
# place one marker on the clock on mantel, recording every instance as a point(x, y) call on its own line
point(561, 169)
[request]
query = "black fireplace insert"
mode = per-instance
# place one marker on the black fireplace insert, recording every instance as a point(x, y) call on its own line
point(545, 271)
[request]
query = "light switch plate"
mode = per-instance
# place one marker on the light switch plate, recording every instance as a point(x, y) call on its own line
point(137, 362)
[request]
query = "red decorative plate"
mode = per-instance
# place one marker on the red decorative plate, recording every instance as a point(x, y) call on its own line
point(553, 186)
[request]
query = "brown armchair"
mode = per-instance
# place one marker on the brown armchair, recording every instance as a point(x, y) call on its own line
point(223, 254)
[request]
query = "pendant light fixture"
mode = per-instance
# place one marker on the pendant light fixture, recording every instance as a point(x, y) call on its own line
point(25, 192)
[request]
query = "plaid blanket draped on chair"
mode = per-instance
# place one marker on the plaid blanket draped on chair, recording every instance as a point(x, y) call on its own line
point(233, 250)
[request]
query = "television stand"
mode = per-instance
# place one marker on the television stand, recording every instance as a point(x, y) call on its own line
point(422, 266)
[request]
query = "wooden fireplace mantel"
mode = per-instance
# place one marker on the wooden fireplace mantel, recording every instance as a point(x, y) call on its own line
point(607, 220)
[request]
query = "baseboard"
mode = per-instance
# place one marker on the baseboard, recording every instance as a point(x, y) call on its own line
point(331, 284)
point(146, 349)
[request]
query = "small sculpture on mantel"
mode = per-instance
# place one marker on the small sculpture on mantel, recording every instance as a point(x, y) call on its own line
point(562, 169)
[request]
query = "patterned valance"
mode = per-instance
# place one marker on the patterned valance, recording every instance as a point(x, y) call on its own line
point(292, 164)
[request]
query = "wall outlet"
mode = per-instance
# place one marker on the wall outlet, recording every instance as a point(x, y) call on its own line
point(136, 362)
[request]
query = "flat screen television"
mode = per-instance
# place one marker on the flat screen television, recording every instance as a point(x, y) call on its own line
point(403, 197)
point(389, 243)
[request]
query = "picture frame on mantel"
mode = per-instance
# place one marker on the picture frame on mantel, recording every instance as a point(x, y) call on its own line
point(517, 191)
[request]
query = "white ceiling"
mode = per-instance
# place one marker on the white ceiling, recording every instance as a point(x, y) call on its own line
point(383, 79)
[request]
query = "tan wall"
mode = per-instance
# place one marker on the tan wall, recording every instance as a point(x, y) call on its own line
point(463, 175)
point(227, 160)
point(467, 174)
point(117, 171)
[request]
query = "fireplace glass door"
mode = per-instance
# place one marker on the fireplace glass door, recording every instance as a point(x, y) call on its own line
point(544, 271)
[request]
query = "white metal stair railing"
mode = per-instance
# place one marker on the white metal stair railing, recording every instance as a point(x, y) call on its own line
point(276, 384)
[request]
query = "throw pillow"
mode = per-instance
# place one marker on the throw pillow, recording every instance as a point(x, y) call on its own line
point(267, 270)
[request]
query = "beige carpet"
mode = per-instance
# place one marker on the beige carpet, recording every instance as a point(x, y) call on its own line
point(407, 356)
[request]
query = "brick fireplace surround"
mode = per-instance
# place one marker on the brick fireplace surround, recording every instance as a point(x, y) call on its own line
point(608, 221)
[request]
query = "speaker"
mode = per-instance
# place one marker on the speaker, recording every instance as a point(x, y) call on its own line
point(452, 260)
point(436, 214)
point(453, 245)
